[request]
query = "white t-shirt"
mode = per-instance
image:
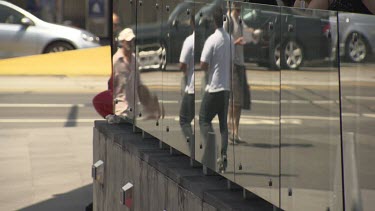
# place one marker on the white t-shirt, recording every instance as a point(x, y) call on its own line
point(187, 57)
point(217, 53)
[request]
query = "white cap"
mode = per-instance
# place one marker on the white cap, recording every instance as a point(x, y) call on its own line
point(126, 34)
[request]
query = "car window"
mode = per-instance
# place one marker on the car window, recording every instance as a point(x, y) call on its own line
point(9, 16)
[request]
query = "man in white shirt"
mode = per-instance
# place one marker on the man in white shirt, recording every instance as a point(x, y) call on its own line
point(187, 105)
point(216, 62)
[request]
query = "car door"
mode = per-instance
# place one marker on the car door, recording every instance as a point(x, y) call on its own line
point(17, 39)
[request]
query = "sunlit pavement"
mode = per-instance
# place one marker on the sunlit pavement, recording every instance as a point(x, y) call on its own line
point(45, 169)
point(46, 165)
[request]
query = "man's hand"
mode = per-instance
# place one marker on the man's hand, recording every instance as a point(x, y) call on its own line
point(240, 41)
point(204, 66)
point(183, 68)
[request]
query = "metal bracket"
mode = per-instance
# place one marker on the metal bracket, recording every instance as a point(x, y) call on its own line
point(97, 171)
point(127, 193)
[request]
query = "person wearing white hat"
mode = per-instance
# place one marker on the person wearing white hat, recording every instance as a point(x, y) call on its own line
point(127, 86)
point(125, 76)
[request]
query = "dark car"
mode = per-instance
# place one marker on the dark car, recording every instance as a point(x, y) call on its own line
point(288, 38)
point(160, 42)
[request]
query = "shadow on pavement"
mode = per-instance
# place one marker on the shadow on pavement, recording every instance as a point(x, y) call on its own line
point(75, 200)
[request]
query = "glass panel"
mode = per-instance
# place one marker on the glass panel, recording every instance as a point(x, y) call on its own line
point(150, 50)
point(178, 76)
point(123, 16)
point(254, 117)
point(213, 49)
point(124, 69)
point(310, 112)
point(357, 64)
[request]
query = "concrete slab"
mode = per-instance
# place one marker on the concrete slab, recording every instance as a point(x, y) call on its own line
point(45, 169)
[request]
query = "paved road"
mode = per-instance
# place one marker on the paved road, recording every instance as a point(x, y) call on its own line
point(46, 142)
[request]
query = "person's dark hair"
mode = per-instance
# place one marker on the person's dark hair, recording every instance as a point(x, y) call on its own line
point(218, 16)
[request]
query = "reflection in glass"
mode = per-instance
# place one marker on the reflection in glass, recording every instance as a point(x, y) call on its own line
point(357, 65)
point(255, 29)
point(125, 76)
point(240, 98)
point(310, 112)
point(187, 105)
point(216, 62)
point(149, 52)
point(178, 77)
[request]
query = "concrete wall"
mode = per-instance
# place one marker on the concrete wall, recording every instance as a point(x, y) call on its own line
point(161, 181)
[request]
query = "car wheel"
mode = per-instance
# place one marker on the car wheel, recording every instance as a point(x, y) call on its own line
point(58, 47)
point(163, 58)
point(356, 48)
point(275, 57)
point(292, 55)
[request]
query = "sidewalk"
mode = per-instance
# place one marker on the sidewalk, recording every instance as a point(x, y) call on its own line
point(45, 170)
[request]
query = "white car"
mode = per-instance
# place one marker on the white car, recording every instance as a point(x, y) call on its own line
point(22, 34)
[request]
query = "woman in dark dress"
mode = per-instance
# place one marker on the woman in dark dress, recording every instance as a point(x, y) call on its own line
point(355, 6)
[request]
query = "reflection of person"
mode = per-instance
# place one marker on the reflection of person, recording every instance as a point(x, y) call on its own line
point(46, 10)
point(128, 89)
point(216, 62)
point(356, 6)
point(187, 105)
point(240, 98)
point(125, 76)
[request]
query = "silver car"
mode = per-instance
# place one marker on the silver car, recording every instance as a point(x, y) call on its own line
point(22, 34)
point(356, 35)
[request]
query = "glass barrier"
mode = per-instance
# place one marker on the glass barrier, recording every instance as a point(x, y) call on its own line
point(357, 65)
point(124, 71)
point(258, 100)
point(178, 77)
point(213, 48)
point(150, 50)
point(254, 111)
point(310, 155)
